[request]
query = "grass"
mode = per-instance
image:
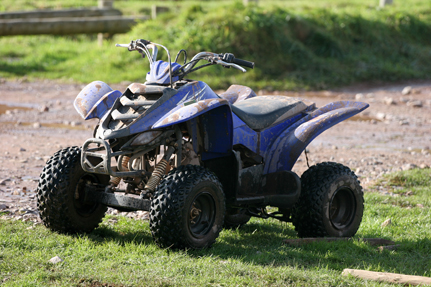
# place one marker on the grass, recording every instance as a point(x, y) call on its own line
point(295, 44)
point(123, 253)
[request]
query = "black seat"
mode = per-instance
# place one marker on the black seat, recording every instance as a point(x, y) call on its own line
point(261, 112)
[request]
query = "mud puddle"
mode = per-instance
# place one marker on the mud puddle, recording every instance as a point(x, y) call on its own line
point(4, 107)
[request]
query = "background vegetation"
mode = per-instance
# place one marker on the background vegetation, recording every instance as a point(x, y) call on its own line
point(295, 44)
point(121, 252)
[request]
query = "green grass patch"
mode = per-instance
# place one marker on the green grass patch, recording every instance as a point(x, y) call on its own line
point(123, 253)
point(295, 44)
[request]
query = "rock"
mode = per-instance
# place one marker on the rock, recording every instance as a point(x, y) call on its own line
point(3, 206)
point(387, 222)
point(3, 182)
point(55, 260)
point(408, 166)
point(409, 193)
point(359, 96)
point(37, 125)
point(370, 96)
point(380, 116)
point(43, 108)
point(404, 123)
point(389, 101)
point(423, 165)
point(415, 104)
point(22, 149)
point(407, 90)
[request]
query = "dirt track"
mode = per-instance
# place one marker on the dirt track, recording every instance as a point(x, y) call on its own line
point(37, 119)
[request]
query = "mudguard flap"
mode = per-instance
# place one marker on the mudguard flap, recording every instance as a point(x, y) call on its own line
point(188, 111)
point(95, 100)
point(291, 143)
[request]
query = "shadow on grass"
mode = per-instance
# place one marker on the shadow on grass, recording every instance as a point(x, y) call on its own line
point(106, 234)
point(263, 245)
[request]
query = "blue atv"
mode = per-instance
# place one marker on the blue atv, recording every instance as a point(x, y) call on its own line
point(198, 161)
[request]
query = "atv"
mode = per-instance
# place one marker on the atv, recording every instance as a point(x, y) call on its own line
point(198, 161)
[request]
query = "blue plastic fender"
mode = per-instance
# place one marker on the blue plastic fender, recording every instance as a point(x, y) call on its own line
point(189, 110)
point(95, 100)
point(286, 149)
point(215, 125)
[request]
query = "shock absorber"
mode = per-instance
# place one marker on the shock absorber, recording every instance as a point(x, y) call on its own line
point(157, 174)
point(115, 180)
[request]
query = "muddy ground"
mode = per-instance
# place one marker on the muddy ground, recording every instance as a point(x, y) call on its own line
point(38, 118)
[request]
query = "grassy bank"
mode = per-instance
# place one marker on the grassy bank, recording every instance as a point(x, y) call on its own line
point(122, 253)
point(295, 44)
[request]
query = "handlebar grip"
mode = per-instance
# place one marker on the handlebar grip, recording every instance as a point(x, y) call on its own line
point(243, 63)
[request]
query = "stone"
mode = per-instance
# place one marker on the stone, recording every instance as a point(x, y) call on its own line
point(408, 166)
point(387, 222)
point(55, 260)
point(43, 108)
point(389, 101)
point(423, 165)
point(407, 90)
point(3, 182)
point(22, 149)
point(359, 96)
point(404, 123)
point(37, 125)
point(415, 104)
point(3, 206)
point(380, 116)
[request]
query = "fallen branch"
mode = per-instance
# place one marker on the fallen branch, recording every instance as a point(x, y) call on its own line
point(389, 247)
point(371, 241)
point(388, 277)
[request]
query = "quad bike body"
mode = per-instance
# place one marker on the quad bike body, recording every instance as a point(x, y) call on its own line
point(198, 161)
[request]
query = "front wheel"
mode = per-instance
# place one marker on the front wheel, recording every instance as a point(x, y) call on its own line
point(331, 202)
point(188, 209)
point(61, 190)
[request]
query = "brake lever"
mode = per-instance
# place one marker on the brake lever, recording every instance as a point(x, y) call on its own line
point(227, 65)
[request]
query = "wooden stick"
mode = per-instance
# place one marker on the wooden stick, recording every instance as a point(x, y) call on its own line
point(388, 277)
point(389, 247)
point(371, 241)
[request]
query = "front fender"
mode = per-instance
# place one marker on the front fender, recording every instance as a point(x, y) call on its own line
point(95, 100)
point(188, 111)
point(291, 143)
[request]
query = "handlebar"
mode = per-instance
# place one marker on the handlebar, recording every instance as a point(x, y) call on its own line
point(244, 63)
point(227, 60)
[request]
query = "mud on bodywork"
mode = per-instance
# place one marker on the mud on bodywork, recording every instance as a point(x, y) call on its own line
point(237, 93)
point(95, 99)
point(188, 110)
point(297, 136)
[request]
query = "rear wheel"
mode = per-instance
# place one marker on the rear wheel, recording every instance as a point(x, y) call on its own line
point(331, 202)
point(188, 209)
point(61, 190)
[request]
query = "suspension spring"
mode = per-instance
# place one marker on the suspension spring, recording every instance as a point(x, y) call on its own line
point(156, 176)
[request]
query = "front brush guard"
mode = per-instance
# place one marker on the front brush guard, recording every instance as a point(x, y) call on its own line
point(98, 160)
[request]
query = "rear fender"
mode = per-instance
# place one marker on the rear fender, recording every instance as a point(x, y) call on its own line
point(286, 149)
point(209, 123)
point(95, 100)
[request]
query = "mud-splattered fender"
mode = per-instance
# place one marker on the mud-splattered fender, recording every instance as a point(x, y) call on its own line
point(213, 136)
point(189, 110)
point(286, 149)
point(95, 100)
